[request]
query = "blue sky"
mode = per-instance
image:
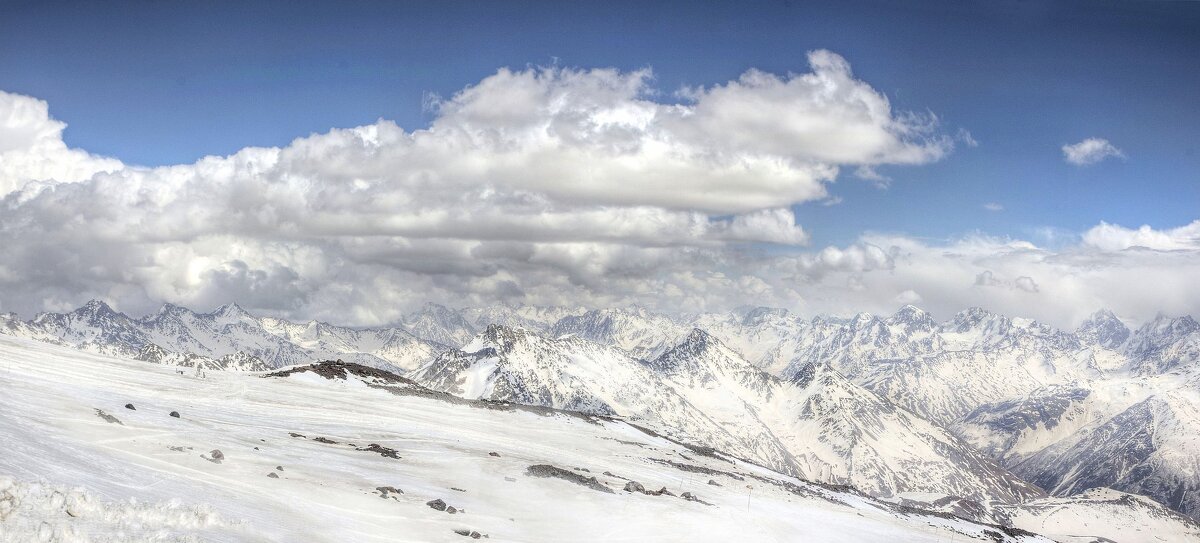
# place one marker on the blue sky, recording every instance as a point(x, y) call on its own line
point(157, 83)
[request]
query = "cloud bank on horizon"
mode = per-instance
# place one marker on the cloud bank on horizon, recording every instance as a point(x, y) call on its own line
point(548, 186)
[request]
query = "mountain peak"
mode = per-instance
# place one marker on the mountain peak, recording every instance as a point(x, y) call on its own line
point(95, 308)
point(1103, 328)
point(912, 316)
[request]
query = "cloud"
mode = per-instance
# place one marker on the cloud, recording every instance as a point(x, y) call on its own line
point(1111, 237)
point(545, 186)
point(32, 149)
point(993, 206)
point(1090, 151)
point(555, 184)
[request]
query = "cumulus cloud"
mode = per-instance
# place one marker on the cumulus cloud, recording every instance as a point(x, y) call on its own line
point(1090, 151)
point(1111, 237)
point(32, 149)
point(543, 186)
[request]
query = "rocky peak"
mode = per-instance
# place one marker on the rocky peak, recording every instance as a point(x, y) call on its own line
point(759, 315)
point(913, 318)
point(1103, 328)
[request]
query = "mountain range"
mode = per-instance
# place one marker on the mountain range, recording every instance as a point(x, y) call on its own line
point(977, 411)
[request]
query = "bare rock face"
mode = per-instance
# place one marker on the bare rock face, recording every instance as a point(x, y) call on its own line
point(437, 504)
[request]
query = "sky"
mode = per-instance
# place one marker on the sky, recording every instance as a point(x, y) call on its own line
point(1034, 158)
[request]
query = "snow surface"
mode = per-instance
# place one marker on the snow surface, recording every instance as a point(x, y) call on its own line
point(67, 474)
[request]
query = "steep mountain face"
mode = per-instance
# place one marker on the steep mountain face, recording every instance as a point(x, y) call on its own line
point(1164, 344)
point(541, 319)
point(1103, 328)
point(640, 333)
point(226, 338)
point(1149, 449)
point(439, 324)
point(700, 390)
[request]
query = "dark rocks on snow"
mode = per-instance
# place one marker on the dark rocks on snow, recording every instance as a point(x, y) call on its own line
point(437, 504)
point(294, 434)
point(546, 470)
point(130, 407)
point(388, 492)
point(320, 439)
point(383, 451)
point(451, 509)
point(469, 533)
point(493, 453)
point(215, 456)
point(278, 468)
point(175, 414)
point(689, 497)
point(713, 483)
point(108, 418)
point(634, 486)
point(272, 475)
point(457, 489)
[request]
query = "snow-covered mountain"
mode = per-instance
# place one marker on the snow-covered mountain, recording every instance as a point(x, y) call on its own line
point(226, 338)
point(326, 451)
point(822, 427)
point(639, 332)
point(1032, 398)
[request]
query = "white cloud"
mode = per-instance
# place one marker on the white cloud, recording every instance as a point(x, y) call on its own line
point(32, 149)
point(543, 186)
point(993, 206)
point(1111, 237)
point(1090, 151)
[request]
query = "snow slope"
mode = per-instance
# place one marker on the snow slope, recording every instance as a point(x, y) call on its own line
point(356, 455)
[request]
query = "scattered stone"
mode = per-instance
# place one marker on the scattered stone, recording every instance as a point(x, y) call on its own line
point(450, 509)
point(176, 449)
point(130, 407)
point(463, 532)
point(278, 468)
point(108, 418)
point(634, 486)
point(320, 439)
point(174, 414)
point(217, 454)
point(689, 497)
point(294, 434)
point(388, 492)
point(583, 469)
point(383, 451)
point(469, 533)
point(437, 504)
point(493, 453)
point(272, 475)
point(546, 470)
point(458, 489)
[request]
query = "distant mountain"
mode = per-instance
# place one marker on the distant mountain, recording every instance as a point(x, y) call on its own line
point(226, 338)
point(823, 428)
